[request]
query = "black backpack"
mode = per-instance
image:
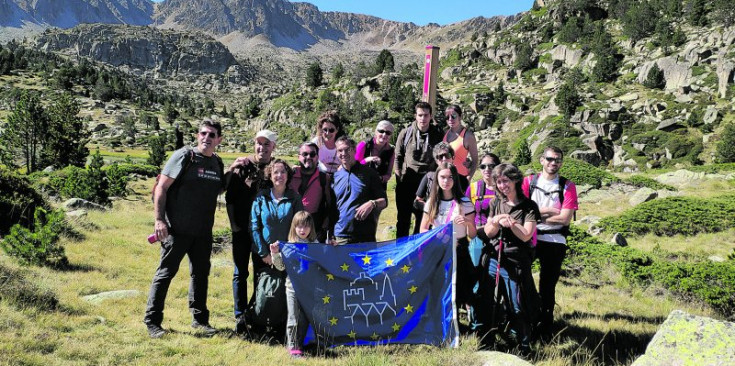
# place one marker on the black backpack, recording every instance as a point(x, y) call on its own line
point(564, 230)
point(268, 309)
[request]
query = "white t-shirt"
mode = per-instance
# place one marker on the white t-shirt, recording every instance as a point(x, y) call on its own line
point(328, 162)
point(546, 194)
point(448, 210)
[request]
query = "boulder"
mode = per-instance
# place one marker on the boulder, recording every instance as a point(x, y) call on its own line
point(628, 97)
point(494, 358)
point(724, 71)
point(589, 220)
point(670, 125)
point(77, 203)
point(685, 339)
point(99, 127)
point(76, 214)
point(716, 258)
point(680, 177)
point(589, 156)
point(676, 74)
point(644, 194)
point(569, 56)
point(711, 115)
point(101, 297)
point(619, 240)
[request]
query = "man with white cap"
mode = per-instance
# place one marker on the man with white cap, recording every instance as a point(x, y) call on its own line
point(245, 178)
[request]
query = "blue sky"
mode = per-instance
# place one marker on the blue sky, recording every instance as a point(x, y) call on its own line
point(422, 12)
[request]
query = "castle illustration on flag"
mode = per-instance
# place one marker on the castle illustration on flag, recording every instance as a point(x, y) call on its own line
point(366, 297)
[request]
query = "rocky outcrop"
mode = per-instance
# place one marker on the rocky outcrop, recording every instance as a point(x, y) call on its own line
point(725, 73)
point(167, 52)
point(677, 74)
point(66, 14)
point(571, 57)
point(685, 339)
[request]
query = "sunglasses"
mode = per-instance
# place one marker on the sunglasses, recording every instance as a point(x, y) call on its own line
point(452, 115)
point(486, 166)
point(444, 156)
point(384, 132)
point(553, 160)
point(211, 135)
point(310, 154)
point(329, 130)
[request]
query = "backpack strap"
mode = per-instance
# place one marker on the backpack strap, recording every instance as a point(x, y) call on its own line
point(562, 188)
point(532, 185)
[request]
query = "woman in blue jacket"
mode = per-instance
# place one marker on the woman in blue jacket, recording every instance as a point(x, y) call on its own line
point(272, 212)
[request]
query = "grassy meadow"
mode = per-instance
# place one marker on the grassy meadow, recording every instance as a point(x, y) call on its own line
point(603, 318)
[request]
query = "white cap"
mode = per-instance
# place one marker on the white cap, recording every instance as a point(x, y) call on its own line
point(268, 134)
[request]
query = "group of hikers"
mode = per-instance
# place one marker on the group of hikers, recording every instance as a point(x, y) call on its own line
point(502, 222)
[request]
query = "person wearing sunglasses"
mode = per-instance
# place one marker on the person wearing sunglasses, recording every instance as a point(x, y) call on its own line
point(481, 193)
point(184, 216)
point(245, 178)
point(314, 188)
point(557, 200)
point(328, 129)
point(377, 152)
point(442, 153)
point(463, 142)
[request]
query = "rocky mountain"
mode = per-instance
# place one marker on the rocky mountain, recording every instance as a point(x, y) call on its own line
point(68, 13)
point(146, 49)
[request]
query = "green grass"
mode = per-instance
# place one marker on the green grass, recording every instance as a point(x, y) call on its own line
point(605, 319)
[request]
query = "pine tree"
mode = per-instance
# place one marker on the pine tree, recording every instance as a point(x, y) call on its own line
point(523, 154)
point(96, 178)
point(26, 129)
point(156, 151)
point(726, 146)
point(314, 75)
point(67, 135)
point(567, 99)
point(338, 71)
point(523, 57)
point(655, 78)
point(384, 62)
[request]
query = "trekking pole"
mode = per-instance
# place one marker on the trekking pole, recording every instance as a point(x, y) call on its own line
point(496, 298)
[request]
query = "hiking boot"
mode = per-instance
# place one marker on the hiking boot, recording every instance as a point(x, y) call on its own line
point(204, 328)
point(155, 330)
point(241, 325)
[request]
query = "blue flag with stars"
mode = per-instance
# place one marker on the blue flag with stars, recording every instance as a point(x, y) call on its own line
point(398, 291)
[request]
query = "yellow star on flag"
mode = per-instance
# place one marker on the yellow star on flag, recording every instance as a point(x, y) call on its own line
point(333, 321)
point(344, 267)
point(366, 259)
point(326, 299)
point(375, 336)
point(409, 308)
point(352, 334)
point(405, 268)
point(330, 277)
point(389, 262)
point(412, 289)
point(396, 327)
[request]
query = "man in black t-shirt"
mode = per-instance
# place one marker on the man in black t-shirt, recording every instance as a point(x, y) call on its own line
point(184, 201)
point(245, 178)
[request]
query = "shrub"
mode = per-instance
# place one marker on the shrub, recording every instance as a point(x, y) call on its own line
point(581, 172)
point(711, 283)
point(655, 78)
point(641, 181)
point(18, 201)
point(117, 180)
point(40, 245)
point(675, 215)
point(567, 99)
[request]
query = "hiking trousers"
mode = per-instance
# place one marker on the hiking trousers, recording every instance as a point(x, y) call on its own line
point(173, 250)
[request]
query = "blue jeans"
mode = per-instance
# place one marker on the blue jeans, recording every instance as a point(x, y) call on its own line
point(512, 278)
